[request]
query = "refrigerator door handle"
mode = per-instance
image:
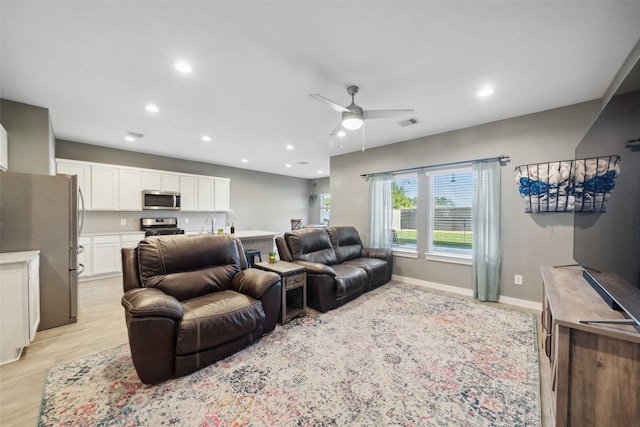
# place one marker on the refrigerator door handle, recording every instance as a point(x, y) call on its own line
point(80, 269)
point(80, 250)
point(81, 211)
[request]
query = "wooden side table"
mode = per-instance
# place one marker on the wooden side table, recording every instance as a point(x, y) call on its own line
point(294, 276)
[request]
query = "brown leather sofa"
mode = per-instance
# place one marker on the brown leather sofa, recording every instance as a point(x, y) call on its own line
point(190, 301)
point(339, 267)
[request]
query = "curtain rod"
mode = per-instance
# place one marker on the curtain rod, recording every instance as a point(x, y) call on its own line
point(422, 168)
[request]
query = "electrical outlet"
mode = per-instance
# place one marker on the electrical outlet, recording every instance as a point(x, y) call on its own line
point(517, 279)
point(123, 221)
point(186, 220)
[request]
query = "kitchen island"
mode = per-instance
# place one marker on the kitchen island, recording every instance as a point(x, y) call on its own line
point(253, 239)
point(257, 239)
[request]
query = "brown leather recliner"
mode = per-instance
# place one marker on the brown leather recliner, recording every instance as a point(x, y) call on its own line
point(339, 267)
point(190, 301)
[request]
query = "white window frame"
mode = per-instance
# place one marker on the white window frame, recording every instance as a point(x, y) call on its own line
point(457, 256)
point(410, 251)
point(324, 209)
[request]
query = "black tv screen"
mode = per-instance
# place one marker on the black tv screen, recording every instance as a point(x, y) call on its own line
point(609, 242)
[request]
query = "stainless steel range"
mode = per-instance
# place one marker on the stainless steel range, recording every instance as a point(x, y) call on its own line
point(160, 226)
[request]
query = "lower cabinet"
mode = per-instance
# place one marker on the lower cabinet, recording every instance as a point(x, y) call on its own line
point(19, 302)
point(101, 253)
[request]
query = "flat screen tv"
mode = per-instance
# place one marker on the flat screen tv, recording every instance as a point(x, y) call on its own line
point(607, 244)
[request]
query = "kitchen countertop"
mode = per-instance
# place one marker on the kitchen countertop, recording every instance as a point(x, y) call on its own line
point(244, 234)
point(17, 257)
point(113, 233)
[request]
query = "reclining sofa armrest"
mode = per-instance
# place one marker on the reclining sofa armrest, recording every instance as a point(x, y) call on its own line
point(151, 302)
point(317, 268)
point(254, 282)
point(381, 253)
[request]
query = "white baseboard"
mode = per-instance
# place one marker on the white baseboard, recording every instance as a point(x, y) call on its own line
point(466, 292)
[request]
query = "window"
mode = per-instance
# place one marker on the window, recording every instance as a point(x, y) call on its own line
point(404, 194)
point(325, 208)
point(450, 217)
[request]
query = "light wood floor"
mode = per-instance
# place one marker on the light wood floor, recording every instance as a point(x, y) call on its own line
point(101, 326)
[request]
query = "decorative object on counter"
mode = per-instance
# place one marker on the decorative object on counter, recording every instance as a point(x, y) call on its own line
point(581, 185)
point(296, 223)
point(233, 229)
point(272, 257)
point(220, 231)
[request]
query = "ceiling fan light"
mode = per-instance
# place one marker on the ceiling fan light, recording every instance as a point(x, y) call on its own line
point(351, 121)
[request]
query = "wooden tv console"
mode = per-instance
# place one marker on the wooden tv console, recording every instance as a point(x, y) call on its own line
point(595, 367)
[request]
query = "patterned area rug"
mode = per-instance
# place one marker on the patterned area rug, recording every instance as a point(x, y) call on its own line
point(395, 356)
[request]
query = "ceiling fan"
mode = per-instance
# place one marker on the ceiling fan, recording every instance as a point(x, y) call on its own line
point(353, 115)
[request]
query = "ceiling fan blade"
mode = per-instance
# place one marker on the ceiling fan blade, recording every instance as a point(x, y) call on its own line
point(384, 114)
point(337, 129)
point(330, 103)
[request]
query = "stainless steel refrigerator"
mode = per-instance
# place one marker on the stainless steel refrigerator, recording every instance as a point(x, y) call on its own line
point(41, 212)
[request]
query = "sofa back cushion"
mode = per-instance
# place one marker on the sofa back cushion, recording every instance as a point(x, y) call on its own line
point(188, 266)
point(346, 242)
point(311, 244)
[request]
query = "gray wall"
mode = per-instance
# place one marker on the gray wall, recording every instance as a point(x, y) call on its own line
point(260, 201)
point(528, 240)
point(31, 138)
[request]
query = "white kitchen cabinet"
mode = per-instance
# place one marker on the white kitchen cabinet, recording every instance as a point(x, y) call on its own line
point(188, 193)
point(19, 302)
point(160, 181)
point(85, 250)
point(170, 182)
point(221, 195)
point(106, 254)
point(83, 171)
point(151, 181)
point(205, 194)
point(130, 191)
point(105, 188)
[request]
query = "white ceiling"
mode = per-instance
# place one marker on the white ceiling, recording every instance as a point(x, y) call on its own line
point(96, 64)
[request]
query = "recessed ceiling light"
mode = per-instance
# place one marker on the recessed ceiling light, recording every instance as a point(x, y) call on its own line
point(319, 171)
point(129, 138)
point(485, 91)
point(183, 67)
point(244, 160)
point(341, 133)
point(152, 108)
point(289, 147)
point(288, 165)
point(206, 138)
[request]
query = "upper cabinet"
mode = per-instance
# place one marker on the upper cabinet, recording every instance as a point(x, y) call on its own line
point(221, 194)
point(188, 193)
point(130, 190)
point(105, 188)
point(111, 187)
point(83, 171)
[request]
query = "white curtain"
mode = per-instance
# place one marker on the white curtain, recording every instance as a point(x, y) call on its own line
point(380, 211)
point(487, 252)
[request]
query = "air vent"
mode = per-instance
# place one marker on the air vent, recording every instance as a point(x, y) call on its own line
point(303, 163)
point(409, 122)
point(135, 135)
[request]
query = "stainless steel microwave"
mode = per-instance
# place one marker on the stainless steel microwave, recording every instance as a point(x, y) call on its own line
point(161, 200)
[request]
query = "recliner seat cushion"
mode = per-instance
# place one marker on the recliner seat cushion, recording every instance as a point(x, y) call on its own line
point(349, 279)
point(375, 268)
point(217, 318)
point(346, 242)
point(311, 244)
point(188, 266)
